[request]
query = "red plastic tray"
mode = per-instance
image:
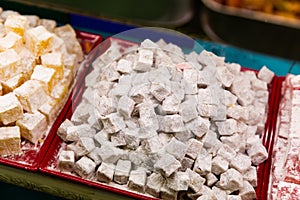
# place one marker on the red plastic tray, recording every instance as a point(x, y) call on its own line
point(32, 156)
point(49, 164)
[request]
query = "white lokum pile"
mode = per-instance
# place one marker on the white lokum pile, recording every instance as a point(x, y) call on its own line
point(285, 168)
point(163, 122)
point(38, 63)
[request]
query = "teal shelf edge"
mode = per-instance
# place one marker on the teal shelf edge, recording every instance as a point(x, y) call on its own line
point(295, 69)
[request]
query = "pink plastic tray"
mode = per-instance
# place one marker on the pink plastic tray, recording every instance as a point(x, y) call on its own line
point(31, 155)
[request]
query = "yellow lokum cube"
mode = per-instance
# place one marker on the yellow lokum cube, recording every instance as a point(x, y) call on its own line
point(27, 62)
point(10, 140)
point(16, 23)
point(13, 83)
point(31, 95)
point(50, 109)
point(45, 75)
point(10, 109)
point(68, 34)
point(11, 41)
point(32, 126)
point(8, 63)
point(54, 60)
point(60, 92)
point(38, 40)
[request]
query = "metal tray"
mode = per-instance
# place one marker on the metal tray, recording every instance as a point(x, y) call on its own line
point(32, 155)
point(252, 30)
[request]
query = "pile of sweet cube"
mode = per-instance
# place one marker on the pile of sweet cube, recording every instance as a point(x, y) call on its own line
point(38, 63)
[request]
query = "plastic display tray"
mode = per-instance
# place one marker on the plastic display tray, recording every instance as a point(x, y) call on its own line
point(49, 164)
point(32, 155)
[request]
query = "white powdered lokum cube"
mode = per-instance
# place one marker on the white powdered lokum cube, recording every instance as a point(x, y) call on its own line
point(137, 179)
point(178, 181)
point(203, 162)
point(231, 180)
point(199, 126)
point(118, 139)
point(190, 80)
point(125, 106)
point(109, 73)
point(235, 141)
point(220, 194)
point(258, 85)
point(154, 183)
point(196, 181)
point(219, 165)
point(101, 138)
point(160, 91)
point(176, 148)
point(139, 93)
point(225, 76)
point(188, 110)
point(113, 123)
point(184, 136)
point(265, 74)
point(247, 191)
point(95, 156)
point(241, 162)
point(122, 171)
point(209, 139)
point(258, 153)
point(10, 109)
point(105, 172)
point(152, 144)
point(186, 163)
point(144, 61)
point(170, 105)
point(148, 118)
point(234, 68)
point(110, 153)
point(85, 167)
point(228, 127)
point(75, 132)
point(234, 197)
point(211, 179)
point(177, 90)
point(251, 176)
point(120, 90)
point(238, 112)
point(168, 193)
point(171, 123)
point(226, 152)
point(124, 66)
point(105, 105)
point(103, 87)
point(66, 161)
point(167, 164)
point(194, 147)
point(32, 126)
point(85, 144)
